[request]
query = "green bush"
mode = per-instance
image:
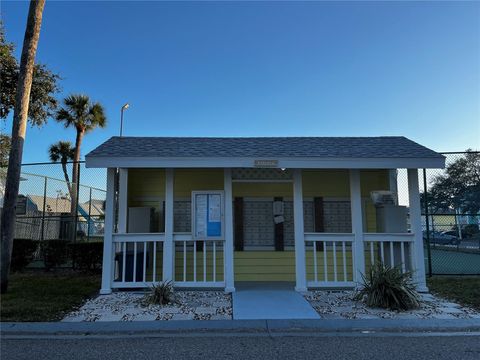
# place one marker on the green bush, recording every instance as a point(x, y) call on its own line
point(22, 253)
point(388, 288)
point(55, 253)
point(160, 294)
point(87, 255)
point(470, 230)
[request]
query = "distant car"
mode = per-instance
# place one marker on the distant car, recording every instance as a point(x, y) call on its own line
point(442, 238)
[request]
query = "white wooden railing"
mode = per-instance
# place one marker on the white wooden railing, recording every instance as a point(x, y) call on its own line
point(329, 259)
point(390, 249)
point(198, 263)
point(135, 259)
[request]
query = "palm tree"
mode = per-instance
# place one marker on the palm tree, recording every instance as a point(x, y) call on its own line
point(20, 115)
point(64, 152)
point(83, 115)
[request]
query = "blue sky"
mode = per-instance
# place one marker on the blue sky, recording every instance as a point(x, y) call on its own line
point(264, 69)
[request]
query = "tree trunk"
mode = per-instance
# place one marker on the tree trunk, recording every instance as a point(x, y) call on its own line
point(76, 164)
point(22, 99)
point(67, 179)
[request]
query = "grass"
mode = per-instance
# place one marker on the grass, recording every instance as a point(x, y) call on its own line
point(464, 290)
point(41, 296)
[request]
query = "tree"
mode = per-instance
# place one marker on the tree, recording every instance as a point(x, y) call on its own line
point(5, 144)
point(83, 115)
point(44, 85)
point(64, 152)
point(20, 116)
point(458, 188)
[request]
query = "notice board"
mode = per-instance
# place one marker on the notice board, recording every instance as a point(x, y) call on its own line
point(207, 211)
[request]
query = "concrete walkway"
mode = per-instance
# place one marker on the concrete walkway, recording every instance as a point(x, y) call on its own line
point(254, 301)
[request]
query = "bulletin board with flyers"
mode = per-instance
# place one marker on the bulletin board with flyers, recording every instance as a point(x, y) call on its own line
point(207, 211)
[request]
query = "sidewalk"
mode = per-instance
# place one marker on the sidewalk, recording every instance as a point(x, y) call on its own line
point(239, 327)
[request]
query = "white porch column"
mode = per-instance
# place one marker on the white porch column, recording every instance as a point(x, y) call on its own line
point(228, 248)
point(357, 225)
point(122, 200)
point(300, 272)
point(416, 228)
point(168, 243)
point(108, 254)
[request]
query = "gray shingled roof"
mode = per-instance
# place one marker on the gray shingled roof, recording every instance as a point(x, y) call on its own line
point(257, 147)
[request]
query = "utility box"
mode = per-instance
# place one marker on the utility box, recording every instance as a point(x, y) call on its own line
point(393, 219)
point(140, 219)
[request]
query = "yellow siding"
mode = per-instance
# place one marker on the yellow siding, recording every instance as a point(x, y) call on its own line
point(373, 180)
point(326, 183)
point(188, 180)
point(145, 183)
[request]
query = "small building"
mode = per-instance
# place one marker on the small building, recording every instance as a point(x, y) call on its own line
point(212, 212)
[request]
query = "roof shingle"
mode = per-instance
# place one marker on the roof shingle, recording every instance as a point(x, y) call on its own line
point(258, 147)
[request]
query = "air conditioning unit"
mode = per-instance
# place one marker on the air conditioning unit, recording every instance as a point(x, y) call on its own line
point(383, 197)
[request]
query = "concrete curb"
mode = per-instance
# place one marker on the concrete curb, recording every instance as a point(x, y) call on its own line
point(238, 326)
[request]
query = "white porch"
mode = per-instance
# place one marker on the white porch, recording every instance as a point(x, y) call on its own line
point(322, 260)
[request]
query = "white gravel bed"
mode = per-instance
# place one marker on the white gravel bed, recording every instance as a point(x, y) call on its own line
point(129, 306)
point(340, 305)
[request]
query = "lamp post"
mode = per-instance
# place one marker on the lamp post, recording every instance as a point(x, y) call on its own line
point(124, 107)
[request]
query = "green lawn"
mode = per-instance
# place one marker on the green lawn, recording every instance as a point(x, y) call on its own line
point(41, 296)
point(464, 290)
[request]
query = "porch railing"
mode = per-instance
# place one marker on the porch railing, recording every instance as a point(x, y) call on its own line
point(198, 263)
point(329, 259)
point(137, 260)
point(390, 249)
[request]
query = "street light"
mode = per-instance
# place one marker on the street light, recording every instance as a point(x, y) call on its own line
point(124, 107)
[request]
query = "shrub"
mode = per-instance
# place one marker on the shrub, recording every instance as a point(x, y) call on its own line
point(87, 255)
point(388, 288)
point(55, 253)
point(471, 230)
point(160, 294)
point(23, 253)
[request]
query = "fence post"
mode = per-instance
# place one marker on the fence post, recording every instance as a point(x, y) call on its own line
point(42, 234)
point(427, 222)
point(89, 215)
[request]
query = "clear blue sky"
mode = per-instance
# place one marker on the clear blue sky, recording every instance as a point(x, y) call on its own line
point(264, 69)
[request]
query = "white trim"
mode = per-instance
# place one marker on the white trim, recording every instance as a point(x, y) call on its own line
point(108, 257)
point(313, 236)
point(357, 225)
point(122, 200)
point(298, 227)
point(228, 246)
point(261, 181)
point(168, 253)
point(248, 162)
point(388, 237)
point(331, 284)
point(416, 227)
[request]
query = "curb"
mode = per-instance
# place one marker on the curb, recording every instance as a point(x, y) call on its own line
point(239, 327)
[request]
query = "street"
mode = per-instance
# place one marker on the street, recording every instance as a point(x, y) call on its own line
point(247, 346)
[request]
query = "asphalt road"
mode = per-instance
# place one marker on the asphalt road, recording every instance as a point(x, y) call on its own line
point(247, 346)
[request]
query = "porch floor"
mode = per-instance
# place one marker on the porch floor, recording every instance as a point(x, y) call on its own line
point(267, 300)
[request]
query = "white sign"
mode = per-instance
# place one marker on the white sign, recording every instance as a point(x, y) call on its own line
point(266, 163)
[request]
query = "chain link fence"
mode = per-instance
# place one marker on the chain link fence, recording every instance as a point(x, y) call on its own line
point(450, 201)
point(51, 215)
point(450, 210)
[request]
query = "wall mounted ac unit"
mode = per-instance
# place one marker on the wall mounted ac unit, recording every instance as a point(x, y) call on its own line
point(383, 197)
